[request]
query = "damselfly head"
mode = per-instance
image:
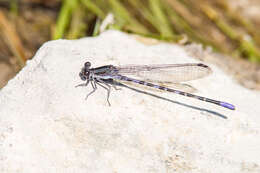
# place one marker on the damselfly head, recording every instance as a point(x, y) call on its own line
point(84, 74)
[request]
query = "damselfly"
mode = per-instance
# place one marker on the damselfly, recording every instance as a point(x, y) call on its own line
point(166, 73)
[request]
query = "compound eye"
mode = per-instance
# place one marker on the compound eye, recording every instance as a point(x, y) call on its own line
point(87, 64)
point(82, 76)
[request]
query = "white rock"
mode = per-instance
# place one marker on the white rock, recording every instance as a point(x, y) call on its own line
point(46, 125)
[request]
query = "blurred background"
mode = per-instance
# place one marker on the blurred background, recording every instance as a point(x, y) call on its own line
point(229, 27)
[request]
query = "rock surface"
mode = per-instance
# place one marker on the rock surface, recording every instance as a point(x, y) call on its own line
point(46, 125)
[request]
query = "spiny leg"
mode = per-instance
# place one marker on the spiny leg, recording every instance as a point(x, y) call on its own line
point(83, 84)
point(108, 90)
point(94, 86)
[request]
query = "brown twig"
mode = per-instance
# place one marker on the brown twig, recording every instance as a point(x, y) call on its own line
point(12, 39)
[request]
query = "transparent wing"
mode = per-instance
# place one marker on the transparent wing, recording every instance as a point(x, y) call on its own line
point(182, 87)
point(166, 72)
point(177, 86)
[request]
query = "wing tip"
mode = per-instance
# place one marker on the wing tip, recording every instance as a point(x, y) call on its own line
point(205, 66)
point(202, 65)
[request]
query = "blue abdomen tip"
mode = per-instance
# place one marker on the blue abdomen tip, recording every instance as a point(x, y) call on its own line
point(227, 105)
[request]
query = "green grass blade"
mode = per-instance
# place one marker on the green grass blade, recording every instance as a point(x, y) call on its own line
point(64, 17)
point(93, 8)
point(124, 18)
point(163, 24)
